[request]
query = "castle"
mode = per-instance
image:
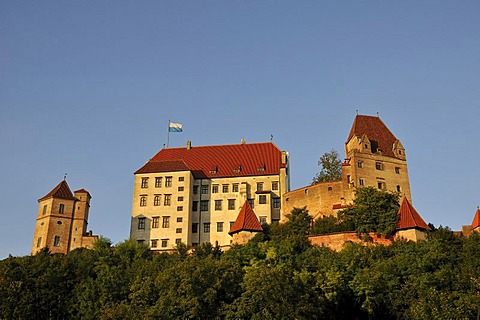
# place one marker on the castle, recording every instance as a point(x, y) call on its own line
point(194, 195)
point(223, 194)
point(62, 220)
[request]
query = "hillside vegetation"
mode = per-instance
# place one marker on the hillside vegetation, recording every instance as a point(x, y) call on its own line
point(277, 275)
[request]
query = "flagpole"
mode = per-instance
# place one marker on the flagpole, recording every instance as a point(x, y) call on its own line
point(168, 133)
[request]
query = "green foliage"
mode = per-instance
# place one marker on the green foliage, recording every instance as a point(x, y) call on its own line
point(373, 211)
point(331, 224)
point(331, 168)
point(277, 275)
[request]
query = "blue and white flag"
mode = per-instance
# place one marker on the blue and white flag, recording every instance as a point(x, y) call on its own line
point(175, 127)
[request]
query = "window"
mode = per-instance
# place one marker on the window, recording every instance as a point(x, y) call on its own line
point(219, 226)
point(204, 205)
point(166, 222)
point(157, 200)
point(204, 189)
point(263, 220)
point(154, 243)
point(231, 224)
point(195, 206)
point(140, 241)
point(180, 199)
point(231, 204)
point(359, 164)
point(179, 208)
point(167, 199)
point(61, 208)
point(181, 189)
point(155, 222)
point(144, 183)
point(276, 203)
point(179, 219)
point(361, 182)
point(225, 188)
point(262, 199)
point(194, 244)
point(381, 185)
point(141, 223)
point(180, 179)
point(275, 185)
point(397, 170)
point(143, 201)
point(158, 182)
point(378, 165)
point(215, 188)
point(194, 227)
point(259, 186)
point(164, 243)
point(168, 181)
point(251, 202)
point(399, 189)
point(206, 227)
point(178, 230)
point(195, 189)
point(44, 210)
point(235, 187)
point(178, 241)
point(56, 241)
point(218, 205)
point(39, 242)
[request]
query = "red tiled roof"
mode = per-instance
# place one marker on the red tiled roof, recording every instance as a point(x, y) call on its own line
point(81, 191)
point(377, 132)
point(163, 166)
point(476, 219)
point(219, 161)
point(61, 191)
point(409, 217)
point(246, 221)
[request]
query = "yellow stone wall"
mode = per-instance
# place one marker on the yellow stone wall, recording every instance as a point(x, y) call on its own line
point(247, 189)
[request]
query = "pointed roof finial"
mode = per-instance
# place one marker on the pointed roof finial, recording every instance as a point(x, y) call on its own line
point(378, 114)
point(357, 111)
point(65, 177)
point(271, 137)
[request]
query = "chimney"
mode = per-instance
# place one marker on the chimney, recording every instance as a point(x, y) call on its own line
point(189, 144)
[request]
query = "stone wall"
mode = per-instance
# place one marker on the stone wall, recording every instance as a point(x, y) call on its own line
point(337, 241)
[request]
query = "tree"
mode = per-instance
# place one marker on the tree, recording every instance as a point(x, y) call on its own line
point(331, 167)
point(373, 211)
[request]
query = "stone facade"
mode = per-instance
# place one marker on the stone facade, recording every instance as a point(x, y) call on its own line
point(62, 220)
point(337, 241)
point(193, 195)
point(373, 157)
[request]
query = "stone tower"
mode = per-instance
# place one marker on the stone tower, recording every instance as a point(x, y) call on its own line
point(62, 220)
point(375, 157)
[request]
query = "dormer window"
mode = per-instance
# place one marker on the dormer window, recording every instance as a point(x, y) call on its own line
point(237, 169)
point(261, 168)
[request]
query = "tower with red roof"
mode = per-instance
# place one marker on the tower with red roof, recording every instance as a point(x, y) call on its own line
point(62, 220)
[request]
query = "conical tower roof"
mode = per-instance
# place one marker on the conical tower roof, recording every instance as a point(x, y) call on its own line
point(61, 191)
point(476, 220)
point(409, 217)
point(246, 221)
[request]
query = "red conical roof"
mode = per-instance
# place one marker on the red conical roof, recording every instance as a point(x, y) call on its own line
point(246, 221)
point(409, 217)
point(61, 191)
point(476, 219)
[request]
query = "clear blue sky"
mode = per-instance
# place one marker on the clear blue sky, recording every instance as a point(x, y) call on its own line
point(88, 87)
